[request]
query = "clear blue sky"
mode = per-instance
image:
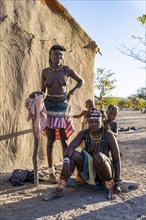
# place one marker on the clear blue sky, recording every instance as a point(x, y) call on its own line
point(109, 24)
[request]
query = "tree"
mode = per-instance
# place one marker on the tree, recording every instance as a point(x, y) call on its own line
point(110, 100)
point(138, 100)
point(134, 52)
point(142, 19)
point(134, 101)
point(124, 103)
point(107, 101)
point(103, 83)
point(141, 93)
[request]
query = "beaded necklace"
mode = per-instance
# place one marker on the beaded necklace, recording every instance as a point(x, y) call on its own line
point(95, 137)
point(56, 69)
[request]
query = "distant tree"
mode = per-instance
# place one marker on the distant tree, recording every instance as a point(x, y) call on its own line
point(141, 93)
point(107, 101)
point(137, 102)
point(123, 103)
point(134, 52)
point(134, 102)
point(142, 19)
point(127, 104)
point(142, 103)
point(103, 83)
point(110, 100)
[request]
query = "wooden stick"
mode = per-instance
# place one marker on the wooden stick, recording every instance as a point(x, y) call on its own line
point(35, 158)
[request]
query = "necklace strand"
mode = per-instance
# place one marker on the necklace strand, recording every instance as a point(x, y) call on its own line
point(95, 138)
point(56, 69)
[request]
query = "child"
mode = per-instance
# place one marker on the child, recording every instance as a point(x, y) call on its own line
point(109, 122)
point(89, 106)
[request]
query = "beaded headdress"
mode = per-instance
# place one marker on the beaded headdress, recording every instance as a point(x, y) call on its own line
point(94, 114)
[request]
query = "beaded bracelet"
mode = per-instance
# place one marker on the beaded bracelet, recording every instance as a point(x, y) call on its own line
point(66, 160)
point(71, 93)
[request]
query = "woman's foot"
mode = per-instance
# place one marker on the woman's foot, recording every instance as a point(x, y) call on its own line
point(52, 178)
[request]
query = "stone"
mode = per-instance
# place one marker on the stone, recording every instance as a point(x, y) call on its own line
point(128, 185)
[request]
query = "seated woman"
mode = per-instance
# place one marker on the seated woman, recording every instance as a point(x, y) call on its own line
point(98, 144)
point(55, 85)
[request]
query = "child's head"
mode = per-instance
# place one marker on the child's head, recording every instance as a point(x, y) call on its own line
point(89, 104)
point(111, 112)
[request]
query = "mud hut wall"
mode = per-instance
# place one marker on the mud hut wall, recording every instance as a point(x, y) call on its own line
point(29, 29)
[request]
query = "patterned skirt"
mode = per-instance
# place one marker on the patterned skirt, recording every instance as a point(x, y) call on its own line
point(58, 117)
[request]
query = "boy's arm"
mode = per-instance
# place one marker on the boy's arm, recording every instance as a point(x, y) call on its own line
point(80, 115)
point(115, 129)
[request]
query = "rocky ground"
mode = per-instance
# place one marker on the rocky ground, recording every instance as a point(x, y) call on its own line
point(25, 202)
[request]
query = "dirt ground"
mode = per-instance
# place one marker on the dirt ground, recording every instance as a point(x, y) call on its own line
point(25, 202)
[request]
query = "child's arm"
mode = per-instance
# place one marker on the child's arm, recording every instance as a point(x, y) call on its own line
point(115, 128)
point(103, 114)
point(106, 125)
point(80, 115)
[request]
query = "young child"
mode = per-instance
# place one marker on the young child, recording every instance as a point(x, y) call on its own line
point(109, 122)
point(89, 106)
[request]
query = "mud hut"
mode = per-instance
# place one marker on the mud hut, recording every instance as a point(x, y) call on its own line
point(28, 30)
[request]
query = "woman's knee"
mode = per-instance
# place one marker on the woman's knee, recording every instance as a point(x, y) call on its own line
point(103, 169)
point(77, 156)
point(78, 159)
point(99, 158)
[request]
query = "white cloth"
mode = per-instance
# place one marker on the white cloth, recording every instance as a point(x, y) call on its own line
point(37, 112)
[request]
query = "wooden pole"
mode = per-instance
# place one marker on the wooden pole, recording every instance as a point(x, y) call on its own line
point(35, 158)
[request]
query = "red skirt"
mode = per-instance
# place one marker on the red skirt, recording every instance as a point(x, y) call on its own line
point(58, 123)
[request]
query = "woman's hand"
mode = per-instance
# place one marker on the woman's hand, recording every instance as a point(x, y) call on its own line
point(69, 96)
point(117, 186)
